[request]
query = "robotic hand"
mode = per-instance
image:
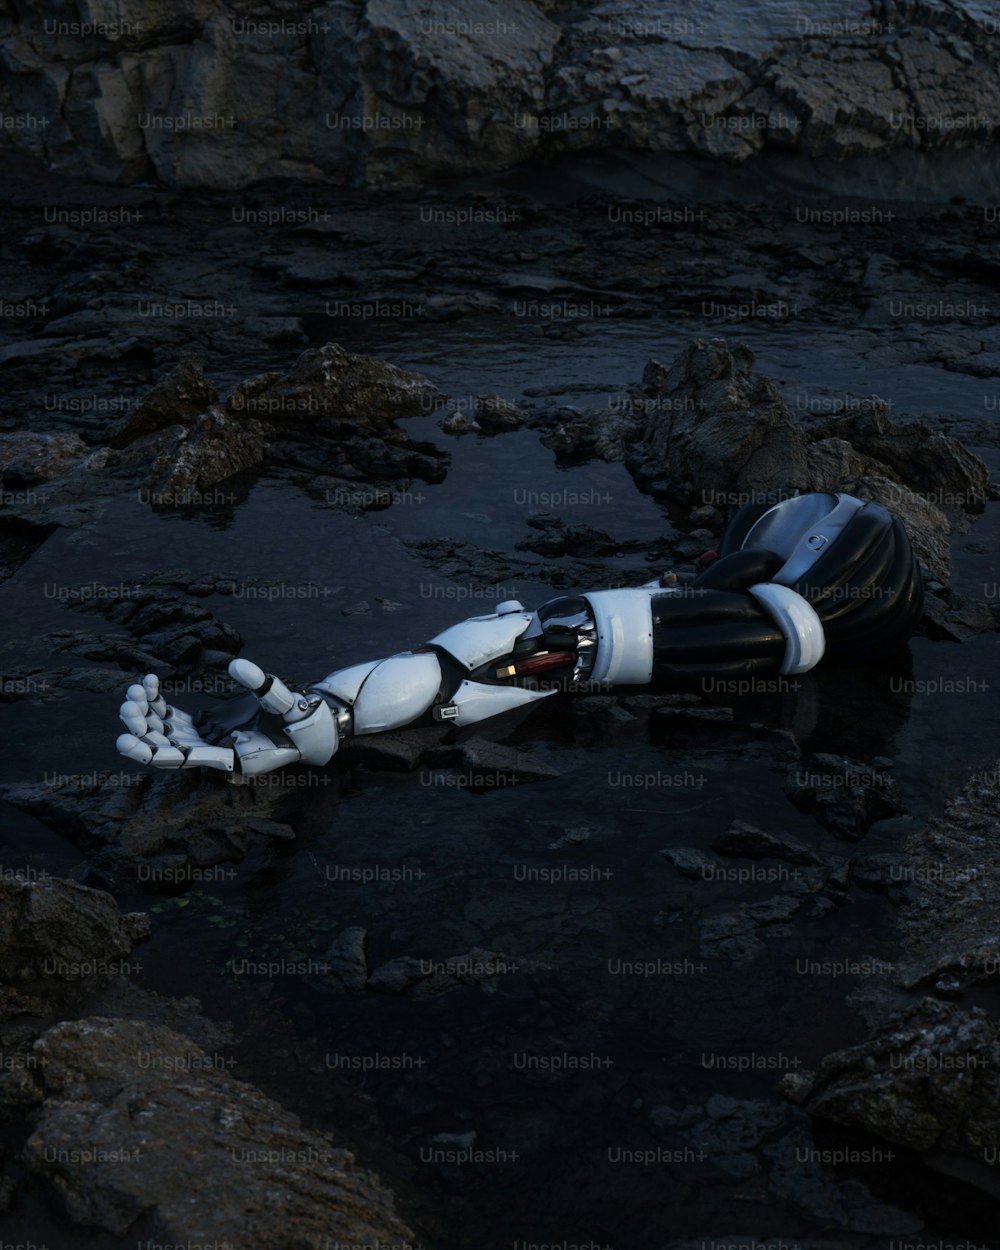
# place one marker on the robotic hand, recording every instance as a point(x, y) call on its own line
point(813, 574)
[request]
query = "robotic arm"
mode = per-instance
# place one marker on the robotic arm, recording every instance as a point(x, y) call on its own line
point(814, 574)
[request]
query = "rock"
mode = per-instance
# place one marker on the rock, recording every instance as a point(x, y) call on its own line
point(934, 466)
point(28, 457)
point(426, 978)
point(834, 465)
point(59, 931)
point(728, 1130)
point(845, 796)
point(213, 448)
point(710, 421)
point(927, 1081)
point(722, 715)
point(396, 92)
point(332, 388)
point(746, 841)
point(114, 1098)
point(489, 764)
point(347, 960)
point(926, 1076)
point(691, 862)
point(124, 822)
point(495, 415)
point(956, 618)
point(394, 752)
point(182, 395)
point(461, 423)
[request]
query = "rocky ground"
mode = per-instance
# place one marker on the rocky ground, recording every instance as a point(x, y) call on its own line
point(365, 421)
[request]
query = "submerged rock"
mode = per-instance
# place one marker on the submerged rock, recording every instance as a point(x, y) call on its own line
point(133, 826)
point(844, 795)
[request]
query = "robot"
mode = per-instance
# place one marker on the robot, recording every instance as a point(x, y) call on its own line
point(812, 575)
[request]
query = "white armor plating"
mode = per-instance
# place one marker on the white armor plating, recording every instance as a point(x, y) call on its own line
point(397, 691)
point(482, 638)
point(805, 641)
point(344, 684)
point(473, 701)
point(624, 621)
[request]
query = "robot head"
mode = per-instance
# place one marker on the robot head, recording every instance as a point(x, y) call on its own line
point(801, 529)
point(851, 560)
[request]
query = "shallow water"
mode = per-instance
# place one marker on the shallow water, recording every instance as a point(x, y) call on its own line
point(461, 856)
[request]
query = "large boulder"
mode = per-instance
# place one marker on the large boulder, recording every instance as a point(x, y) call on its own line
point(134, 1127)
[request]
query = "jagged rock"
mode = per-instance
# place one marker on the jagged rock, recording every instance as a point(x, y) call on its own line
point(711, 421)
point(927, 1081)
point(182, 395)
point(394, 91)
point(745, 841)
point(494, 414)
point(834, 465)
point(213, 448)
point(426, 978)
point(114, 1098)
point(956, 617)
point(691, 862)
point(28, 457)
point(347, 960)
point(329, 386)
point(933, 465)
point(845, 796)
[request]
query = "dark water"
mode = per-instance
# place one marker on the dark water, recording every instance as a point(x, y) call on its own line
point(459, 859)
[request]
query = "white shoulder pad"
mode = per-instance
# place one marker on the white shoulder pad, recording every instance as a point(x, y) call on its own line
point(482, 638)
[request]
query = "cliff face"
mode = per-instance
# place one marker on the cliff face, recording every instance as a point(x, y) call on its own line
point(396, 92)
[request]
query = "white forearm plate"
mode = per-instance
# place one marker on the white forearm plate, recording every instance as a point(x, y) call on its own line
point(473, 701)
point(797, 620)
point(397, 691)
point(624, 622)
